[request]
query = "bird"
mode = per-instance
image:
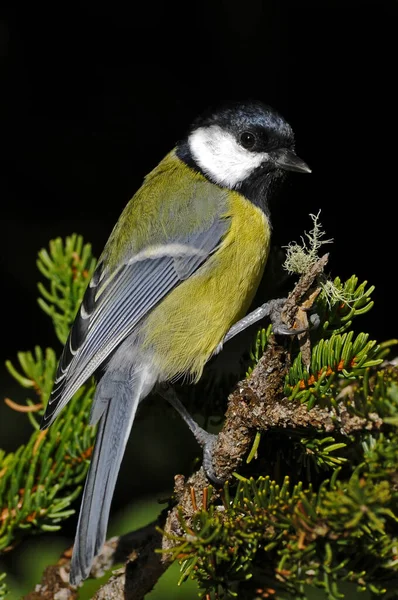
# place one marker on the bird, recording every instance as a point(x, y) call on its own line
point(173, 283)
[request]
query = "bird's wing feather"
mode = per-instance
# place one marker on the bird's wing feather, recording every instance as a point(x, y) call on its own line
point(115, 302)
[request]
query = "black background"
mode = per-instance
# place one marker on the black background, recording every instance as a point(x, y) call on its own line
point(93, 96)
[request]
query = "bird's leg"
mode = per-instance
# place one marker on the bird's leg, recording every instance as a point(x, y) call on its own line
point(207, 440)
point(271, 309)
point(203, 437)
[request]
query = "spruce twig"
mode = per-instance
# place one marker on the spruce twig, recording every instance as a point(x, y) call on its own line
point(324, 506)
point(131, 582)
point(258, 401)
point(40, 480)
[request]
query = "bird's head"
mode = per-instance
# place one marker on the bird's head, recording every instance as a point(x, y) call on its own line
point(242, 145)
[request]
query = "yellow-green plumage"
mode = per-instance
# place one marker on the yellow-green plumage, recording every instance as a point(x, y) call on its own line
point(180, 268)
point(174, 200)
point(185, 329)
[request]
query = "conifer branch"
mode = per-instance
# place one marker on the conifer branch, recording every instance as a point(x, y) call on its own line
point(143, 567)
point(257, 401)
point(40, 480)
point(316, 419)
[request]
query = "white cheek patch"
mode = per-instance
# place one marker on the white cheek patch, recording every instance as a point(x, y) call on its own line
point(221, 157)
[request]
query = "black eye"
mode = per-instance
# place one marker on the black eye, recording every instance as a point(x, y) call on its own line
point(247, 139)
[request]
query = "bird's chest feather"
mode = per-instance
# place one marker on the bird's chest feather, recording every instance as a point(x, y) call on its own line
point(190, 322)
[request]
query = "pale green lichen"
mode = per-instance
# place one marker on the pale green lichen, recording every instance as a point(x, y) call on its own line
point(300, 257)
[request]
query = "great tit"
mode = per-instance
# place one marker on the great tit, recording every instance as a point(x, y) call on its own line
point(179, 270)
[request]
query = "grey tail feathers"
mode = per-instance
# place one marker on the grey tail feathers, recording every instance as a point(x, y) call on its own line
point(116, 403)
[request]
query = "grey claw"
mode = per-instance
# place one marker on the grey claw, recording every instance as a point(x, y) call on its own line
point(280, 329)
point(315, 320)
point(208, 442)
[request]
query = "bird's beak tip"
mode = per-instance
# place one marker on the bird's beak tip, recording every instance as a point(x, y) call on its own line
point(288, 160)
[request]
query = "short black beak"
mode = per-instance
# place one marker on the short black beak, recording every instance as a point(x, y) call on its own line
point(288, 160)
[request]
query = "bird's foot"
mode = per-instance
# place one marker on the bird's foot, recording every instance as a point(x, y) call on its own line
point(279, 327)
point(207, 441)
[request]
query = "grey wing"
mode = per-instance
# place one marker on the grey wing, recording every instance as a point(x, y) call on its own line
point(114, 304)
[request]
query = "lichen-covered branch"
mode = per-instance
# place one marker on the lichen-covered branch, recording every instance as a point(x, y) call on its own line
point(55, 582)
point(142, 569)
point(257, 402)
point(144, 565)
point(326, 389)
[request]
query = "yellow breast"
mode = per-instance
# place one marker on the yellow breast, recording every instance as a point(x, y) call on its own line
point(186, 327)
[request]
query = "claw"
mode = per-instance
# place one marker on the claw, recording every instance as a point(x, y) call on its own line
point(315, 320)
point(204, 438)
point(207, 441)
point(280, 329)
